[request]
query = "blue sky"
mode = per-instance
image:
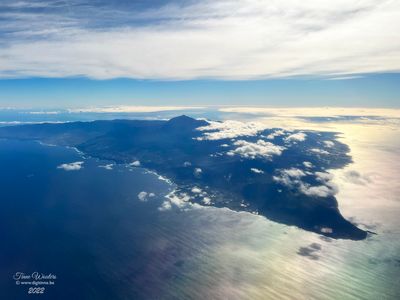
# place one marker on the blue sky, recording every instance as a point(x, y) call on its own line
point(70, 53)
point(380, 90)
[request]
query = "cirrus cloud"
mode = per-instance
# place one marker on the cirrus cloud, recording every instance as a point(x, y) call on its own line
point(227, 39)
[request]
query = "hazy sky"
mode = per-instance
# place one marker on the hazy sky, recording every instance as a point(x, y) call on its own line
point(291, 53)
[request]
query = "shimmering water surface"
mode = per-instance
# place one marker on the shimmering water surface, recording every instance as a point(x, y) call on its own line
point(89, 228)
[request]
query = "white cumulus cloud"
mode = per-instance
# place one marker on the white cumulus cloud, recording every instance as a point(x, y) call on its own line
point(175, 199)
point(292, 178)
point(307, 164)
point(276, 133)
point(259, 149)
point(298, 137)
point(289, 177)
point(107, 166)
point(187, 164)
point(75, 166)
point(319, 191)
point(230, 129)
point(136, 163)
point(329, 144)
point(196, 190)
point(206, 200)
point(144, 196)
point(327, 187)
point(197, 172)
point(319, 151)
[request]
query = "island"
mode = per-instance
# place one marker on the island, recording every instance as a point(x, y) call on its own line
point(279, 174)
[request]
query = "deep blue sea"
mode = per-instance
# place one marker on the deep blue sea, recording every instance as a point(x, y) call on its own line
point(86, 226)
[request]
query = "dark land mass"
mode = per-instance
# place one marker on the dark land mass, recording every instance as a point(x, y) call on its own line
point(171, 148)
